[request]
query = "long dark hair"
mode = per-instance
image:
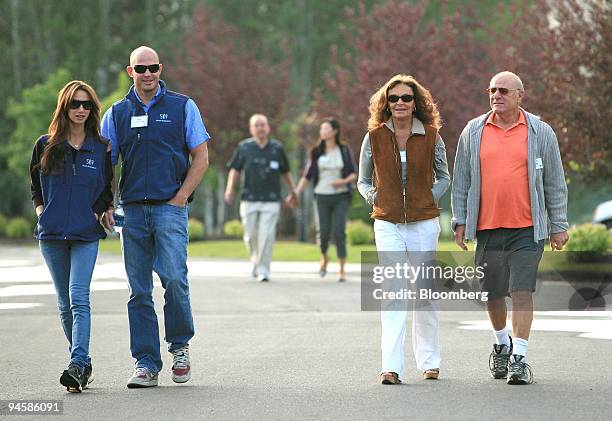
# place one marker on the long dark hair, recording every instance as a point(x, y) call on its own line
point(52, 158)
point(320, 148)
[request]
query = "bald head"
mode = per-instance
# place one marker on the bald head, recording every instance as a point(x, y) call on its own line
point(508, 78)
point(259, 127)
point(142, 54)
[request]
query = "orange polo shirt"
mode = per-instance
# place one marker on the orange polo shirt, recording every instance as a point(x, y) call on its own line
point(504, 180)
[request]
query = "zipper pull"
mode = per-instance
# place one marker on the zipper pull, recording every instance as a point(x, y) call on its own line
point(73, 168)
point(138, 137)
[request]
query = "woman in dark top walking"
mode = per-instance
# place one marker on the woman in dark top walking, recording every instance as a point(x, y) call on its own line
point(71, 176)
point(331, 169)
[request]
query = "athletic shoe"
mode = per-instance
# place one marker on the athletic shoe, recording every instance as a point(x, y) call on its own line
point(262, 278)
point(142, 377)
point(88, 376)
point(519, 372)
point(181, 368)
point(498, 360)
point(72, 378)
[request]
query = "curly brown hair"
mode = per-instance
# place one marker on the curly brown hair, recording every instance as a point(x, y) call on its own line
point(426, 109)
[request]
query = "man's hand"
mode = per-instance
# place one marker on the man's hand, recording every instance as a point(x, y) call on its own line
point(107, 219)
point(291, 200)
point(558, 240)
point(229, 197)
point(460, 236)
point(179, 200)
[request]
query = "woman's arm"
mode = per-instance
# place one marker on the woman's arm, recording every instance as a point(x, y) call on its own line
point(365, 184)
point(35, 187)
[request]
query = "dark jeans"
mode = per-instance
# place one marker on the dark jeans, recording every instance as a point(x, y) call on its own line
point(332, 207)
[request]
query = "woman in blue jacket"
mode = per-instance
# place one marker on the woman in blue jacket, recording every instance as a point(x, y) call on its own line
point(71, 176)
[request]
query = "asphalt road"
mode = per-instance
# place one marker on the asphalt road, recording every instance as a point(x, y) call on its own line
point(298, 347)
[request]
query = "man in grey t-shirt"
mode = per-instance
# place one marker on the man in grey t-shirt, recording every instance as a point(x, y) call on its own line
point(263, 162)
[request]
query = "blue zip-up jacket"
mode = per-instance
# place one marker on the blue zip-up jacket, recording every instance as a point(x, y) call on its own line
point(70, 196)
point(155, 158)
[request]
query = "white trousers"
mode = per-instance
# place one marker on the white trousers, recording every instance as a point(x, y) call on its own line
point(259, 223)
point(420, 236)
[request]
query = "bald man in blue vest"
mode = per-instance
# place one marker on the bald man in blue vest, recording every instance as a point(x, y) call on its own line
point(162, 142)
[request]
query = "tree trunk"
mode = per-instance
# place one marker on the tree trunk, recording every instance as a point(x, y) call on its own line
point(221, 180)
point(209, 208)
point(16, 50)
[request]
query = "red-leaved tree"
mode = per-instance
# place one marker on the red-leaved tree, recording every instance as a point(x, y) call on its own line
point(563, 53)
point(228, 82)
point(396, 38)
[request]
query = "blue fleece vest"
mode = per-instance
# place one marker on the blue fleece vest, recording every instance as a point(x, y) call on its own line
point(69, 195)
point(155, 158)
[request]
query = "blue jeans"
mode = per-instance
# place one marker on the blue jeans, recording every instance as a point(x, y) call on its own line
point(154, 238)
point(71, 264)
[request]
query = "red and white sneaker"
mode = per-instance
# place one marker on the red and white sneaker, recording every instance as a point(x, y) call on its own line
point(181, 368)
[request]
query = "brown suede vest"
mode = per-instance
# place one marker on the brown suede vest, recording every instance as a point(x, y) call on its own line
point(418, 203)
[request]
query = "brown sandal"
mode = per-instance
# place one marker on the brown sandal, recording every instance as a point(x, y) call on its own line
point(390, 378)
point(431, 374)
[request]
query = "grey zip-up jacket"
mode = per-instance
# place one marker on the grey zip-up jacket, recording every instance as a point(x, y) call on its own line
point(547, 188)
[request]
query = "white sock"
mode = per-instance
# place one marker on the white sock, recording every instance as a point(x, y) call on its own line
point(520, 346)
point(502, 336)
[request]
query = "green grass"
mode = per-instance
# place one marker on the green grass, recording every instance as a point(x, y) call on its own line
point(283, 250)
point(307, 252)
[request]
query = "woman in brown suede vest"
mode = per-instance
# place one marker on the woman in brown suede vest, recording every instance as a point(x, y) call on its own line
point(403, 172)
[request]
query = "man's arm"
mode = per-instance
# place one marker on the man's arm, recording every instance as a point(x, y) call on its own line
point(291, 200)
point(555, 191)
point(232, 179)
point(199, 165)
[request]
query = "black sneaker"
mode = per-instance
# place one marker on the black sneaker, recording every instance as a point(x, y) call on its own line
point(88, 376)
point(519, 372)
point(73, 378)
point(498, 360)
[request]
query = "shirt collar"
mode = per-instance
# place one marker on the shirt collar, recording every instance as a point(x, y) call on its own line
point(521, 119)
point(417, 126)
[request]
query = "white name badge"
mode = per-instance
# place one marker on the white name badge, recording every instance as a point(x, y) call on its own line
point(538, 164)
point(403, 156)
point(274, 165)
point(140, 121)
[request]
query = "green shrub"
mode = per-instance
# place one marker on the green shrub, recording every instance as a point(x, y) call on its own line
point(359, 232)
point(233, 229)
point(195, 229)
point(18, 228)
point(592, 240)
point(3, 222)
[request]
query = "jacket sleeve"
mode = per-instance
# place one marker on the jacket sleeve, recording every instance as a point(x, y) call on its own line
point(461, 180)
point(365, 183)
point(35, 187)
point(555, 188)
point(442, 176)
point(106, 197)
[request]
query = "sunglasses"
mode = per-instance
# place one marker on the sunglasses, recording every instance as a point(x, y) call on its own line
point(405, 98)
point(503, 91)
point(75, 104)
point(142, 68)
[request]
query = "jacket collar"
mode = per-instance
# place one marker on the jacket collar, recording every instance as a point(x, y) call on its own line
point(417, 126)
point(533, 121)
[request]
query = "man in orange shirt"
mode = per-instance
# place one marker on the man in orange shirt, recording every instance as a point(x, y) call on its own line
point(509, 194)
